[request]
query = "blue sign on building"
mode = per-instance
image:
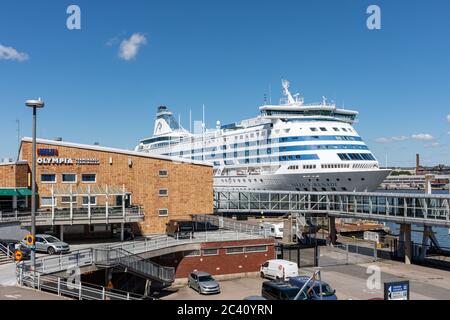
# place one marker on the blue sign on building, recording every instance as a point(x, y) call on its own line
point(396, 290)
point(48, 152)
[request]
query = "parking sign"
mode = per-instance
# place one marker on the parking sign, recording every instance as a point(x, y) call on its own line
point(396, 290)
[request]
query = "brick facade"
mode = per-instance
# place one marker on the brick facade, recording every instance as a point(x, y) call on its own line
point(190, 186)
point(222, 263)
point(14, 175)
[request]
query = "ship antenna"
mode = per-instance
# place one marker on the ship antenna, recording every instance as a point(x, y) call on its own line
point(190, 120)
point(286, 92)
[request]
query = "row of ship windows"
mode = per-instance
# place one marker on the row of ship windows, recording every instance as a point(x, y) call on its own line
point(288, 130)
point(336, 166)
point(246, 153)
point(351, 156)
point(324, 166)
point(356, 156)
point(265, 142)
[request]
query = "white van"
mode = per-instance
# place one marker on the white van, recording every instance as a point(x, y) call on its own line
point(273, 229)
point(279, 269)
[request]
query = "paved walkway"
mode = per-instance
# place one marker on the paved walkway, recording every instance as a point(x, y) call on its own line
point(350, 281)
point(18, 293)
point(8, 274)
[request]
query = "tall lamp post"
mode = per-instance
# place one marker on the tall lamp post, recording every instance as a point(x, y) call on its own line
point(35, 104)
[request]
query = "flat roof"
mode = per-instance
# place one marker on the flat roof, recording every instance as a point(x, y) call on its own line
point(13, 163)
point(112, 150)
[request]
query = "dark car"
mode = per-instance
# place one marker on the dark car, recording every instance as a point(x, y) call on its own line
point(275, 290)
point(315, 288)
point(14, 245)
point(180, 229)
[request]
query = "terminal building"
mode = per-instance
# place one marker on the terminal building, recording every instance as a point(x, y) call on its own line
point(89, 189)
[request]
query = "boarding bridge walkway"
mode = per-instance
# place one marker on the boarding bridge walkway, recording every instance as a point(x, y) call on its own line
point(420, 209)
point(76, 216)
point(133, 255)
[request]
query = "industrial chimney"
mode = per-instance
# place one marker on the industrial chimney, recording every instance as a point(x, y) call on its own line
point(417, 164)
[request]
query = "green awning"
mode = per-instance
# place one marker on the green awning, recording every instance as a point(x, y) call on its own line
point(15, 192)
point(24, 192)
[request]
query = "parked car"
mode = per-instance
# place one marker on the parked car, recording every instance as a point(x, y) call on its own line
point(180, 229)
point(50, 244)
point(203, 282)
point(313, 288)
point(14, 245)
point(279, 269)
point(255, 298)
point(276, 290)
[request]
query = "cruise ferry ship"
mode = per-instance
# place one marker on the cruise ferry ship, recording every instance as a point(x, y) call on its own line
point(290, 146)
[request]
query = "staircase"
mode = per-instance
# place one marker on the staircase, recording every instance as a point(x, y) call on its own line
point(135, 264)
point(4, 258)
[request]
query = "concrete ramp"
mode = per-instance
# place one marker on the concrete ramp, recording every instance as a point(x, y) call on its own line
point(13, 231)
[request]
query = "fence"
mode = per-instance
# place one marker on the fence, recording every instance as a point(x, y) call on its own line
point(304, 255)
point(230, 224)
point(75, 290)
point(345, 254)
point(85, 257)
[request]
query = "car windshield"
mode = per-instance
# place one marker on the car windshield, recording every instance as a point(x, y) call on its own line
point(205, 278)
point(326, 290)
point(51, 239)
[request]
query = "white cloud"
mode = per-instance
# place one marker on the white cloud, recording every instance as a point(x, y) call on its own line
point(391, 139)
point(9, 53)
point(422, 137)
point(448, 118)
point(383, 140)
point(129, 48)
point(400, 138)
point(433, 145)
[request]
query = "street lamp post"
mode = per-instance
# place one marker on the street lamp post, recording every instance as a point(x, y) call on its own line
point(35, 104)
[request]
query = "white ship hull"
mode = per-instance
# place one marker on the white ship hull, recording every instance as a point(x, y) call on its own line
point(291, 146)
point(359, 181)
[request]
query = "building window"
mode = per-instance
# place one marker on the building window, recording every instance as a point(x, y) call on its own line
point(66, 200)
point(163, 212)
point(48, 178)
point(47, 202)
point(235, 250)
point(256, 249)
point(163, 173)
point(93, 201)
point(69, 178)
point(210, 252)
point(89, 178)
point(163, 192)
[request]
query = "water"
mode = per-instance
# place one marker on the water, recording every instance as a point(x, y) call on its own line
point(442, 234)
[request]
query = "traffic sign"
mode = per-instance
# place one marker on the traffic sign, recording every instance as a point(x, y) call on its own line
point(18, 255)
point(396, 290)
point(29, 240)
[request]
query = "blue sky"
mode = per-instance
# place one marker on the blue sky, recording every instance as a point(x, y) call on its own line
point(226, 54)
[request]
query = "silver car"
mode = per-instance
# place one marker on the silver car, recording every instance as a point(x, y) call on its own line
point(50, 244)
point(203, 282)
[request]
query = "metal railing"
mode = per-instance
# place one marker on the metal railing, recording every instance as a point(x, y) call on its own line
point(8, 253)
point(396, 207)
point(76, 216)
point(119, 257)
point(75, 290)
point(86, 257)
point(230, 224)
